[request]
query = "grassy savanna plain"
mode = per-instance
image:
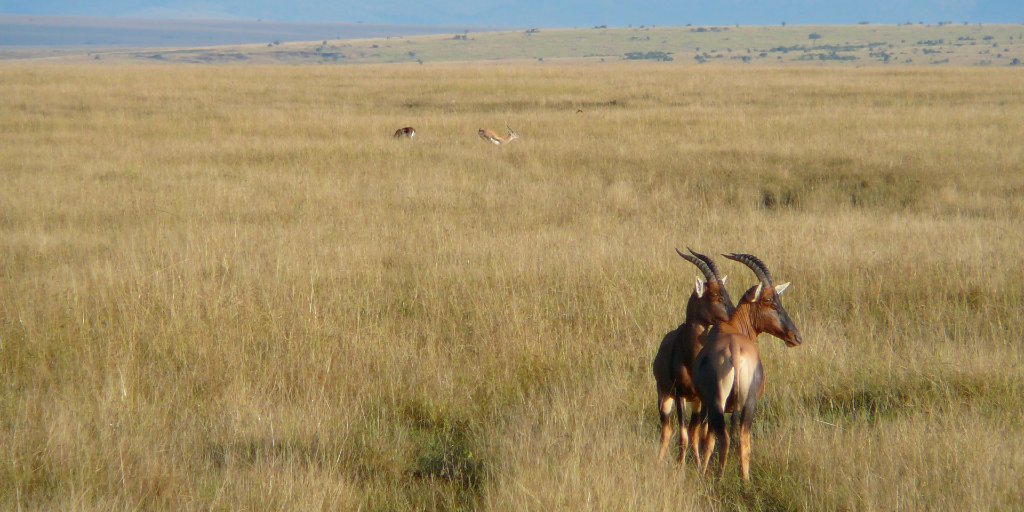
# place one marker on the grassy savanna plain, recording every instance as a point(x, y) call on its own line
point(810, 45)
point(228, 288)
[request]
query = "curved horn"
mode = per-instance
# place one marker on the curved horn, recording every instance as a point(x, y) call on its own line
point(709, 274)
point(709, 261)
point(755, 264)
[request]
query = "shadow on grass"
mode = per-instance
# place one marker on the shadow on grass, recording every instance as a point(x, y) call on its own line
point(424, 459)
point(877, 400)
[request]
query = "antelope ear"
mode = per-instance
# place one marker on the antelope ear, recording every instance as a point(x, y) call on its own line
point(698, 288)
point(724, 278)
point(781, 288)
point(757, 292)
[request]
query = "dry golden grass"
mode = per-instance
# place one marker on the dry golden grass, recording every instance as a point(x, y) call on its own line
point(231, 289)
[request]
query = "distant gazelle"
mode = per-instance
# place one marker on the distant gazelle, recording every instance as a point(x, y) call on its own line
point(405, 133)
point(492, 136)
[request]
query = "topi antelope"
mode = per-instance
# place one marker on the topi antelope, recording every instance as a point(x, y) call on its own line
point(709, 303)
point(727, 372)
point(405, 133)
point(492, 136)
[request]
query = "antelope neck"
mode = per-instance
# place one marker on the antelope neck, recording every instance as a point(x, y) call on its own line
point(742, 320)
point(695, 328)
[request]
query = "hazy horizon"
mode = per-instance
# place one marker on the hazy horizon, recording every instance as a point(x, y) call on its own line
point(80, 31)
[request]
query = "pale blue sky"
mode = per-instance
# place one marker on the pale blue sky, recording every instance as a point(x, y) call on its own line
point(544, 13)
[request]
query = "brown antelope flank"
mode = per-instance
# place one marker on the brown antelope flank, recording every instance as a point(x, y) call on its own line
point(492, 136)
point(727, 372)
point(405, 133)
point(708, 303)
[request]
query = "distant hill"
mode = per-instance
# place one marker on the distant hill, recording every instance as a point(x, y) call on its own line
point(74, 31)
point(819, 45)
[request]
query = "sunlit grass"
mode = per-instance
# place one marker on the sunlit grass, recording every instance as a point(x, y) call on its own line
point(230, 288)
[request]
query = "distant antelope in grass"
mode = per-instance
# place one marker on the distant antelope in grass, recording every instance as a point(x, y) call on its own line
point(709, 303)
point(492, 136)
point(405, 133)
point(727, 372)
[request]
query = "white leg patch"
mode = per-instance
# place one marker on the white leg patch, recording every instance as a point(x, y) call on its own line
point(666, 405)
point(725, 386)
point(745, 376)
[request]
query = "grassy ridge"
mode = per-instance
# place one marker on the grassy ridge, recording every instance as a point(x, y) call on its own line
point(813, 45)
point(229, 288)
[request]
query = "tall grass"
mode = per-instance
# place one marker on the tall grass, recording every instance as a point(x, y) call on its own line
point(230, 289)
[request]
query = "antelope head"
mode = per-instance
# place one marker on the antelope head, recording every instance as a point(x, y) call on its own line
point(766, 312)
point(511, 134)
point(709, 302)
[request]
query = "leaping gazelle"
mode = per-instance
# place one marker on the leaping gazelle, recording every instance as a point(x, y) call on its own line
point(492, 136)
point(405, 133)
